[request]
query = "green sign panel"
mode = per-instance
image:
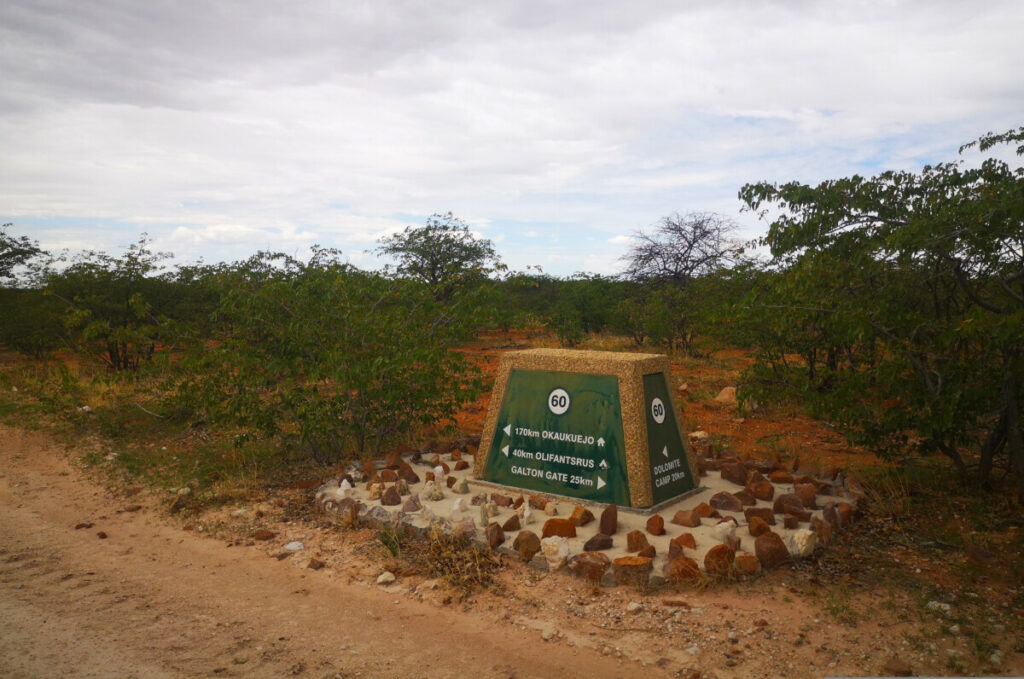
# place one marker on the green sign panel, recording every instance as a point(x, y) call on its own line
point(561, 433)
point(670, 469)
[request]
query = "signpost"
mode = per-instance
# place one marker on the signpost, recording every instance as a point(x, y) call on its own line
point(598, 426)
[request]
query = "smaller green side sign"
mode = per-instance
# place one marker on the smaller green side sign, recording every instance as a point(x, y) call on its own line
point(670, 469)
point(561, 433)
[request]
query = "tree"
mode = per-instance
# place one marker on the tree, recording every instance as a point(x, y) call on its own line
point(443, 253)
point(904, 293)
point(15, 252)
point(682, 248)
point(668, 263)
point(110, 303)
point(325, 355)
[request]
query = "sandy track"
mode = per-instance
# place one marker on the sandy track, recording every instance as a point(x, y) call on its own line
point(152, 600)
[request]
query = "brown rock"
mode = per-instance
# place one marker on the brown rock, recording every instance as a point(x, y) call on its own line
point(429, 476)
point(764, 513)
point(263, 534)
point(444, 467)
point(771, 550)
point(780, 476)
point(388, 475)
point(527, 544)
point(597, 543)
point(806, 492)
point(635, 541)
point(823, 529)
point(704, 510)
point(412, 504)
point(656, 525)
point(519, 502)
point(788, 503)
point(512, 525)
point(369, 470)
point(450, 481)
point(736, 473)
point(718, 560)
point(581, 516)
point(685, 540)
point(435, 460)
point(747, 563)
point(538, 502)
point(791, 522)
point(590, 565)
point(315, 564)
point(648, 551)
point(610, 520)
point(681, 569)
point(896, 667)
point(501, 500)
point(632, 570)
point(746, 498)
point(405, 471)
point(686, 518)
point(460, 465)
point(725, 501)
point(101, 535)
point(831, 516)
point(456, 456)
point(755, 476)
point(563, 528)
point(391, 496)
point(478, 499)
point(757, 526)
point(761, 490)
point(845, 512)
point(495, 535)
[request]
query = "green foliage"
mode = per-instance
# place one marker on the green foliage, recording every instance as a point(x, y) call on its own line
point(903, 298)
point(113, 303)
point(677, 268)
point(31, 321)
point(443, 253)
point(326, 355)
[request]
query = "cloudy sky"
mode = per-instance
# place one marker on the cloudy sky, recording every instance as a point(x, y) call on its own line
point(556, 129)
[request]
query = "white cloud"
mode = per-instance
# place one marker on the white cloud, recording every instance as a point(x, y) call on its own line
point(223, 127)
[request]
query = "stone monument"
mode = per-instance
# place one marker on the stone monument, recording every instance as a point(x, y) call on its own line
point(593, 425)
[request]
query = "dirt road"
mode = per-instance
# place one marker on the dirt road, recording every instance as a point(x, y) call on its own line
point(151, 600)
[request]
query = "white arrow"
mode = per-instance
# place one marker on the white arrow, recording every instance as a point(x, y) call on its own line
point(600, 483)
point(665, 451)
point(505, 450)
point(600, 442)
point(508, 430)
point(603, 465)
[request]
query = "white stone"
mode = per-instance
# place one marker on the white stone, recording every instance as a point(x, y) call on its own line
point(344, 485)
point(458, 506)
point(634, 607)
point(802, 542)
point(294, 546)
point(938, 606)
point(724, 531)
point(461, 486)
point(556, 551)
point(439, 473)
point(385, 578)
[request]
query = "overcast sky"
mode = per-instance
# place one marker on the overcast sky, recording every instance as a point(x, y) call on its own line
point(556, 129)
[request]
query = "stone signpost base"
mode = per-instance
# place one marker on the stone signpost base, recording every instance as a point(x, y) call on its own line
point(599, 426)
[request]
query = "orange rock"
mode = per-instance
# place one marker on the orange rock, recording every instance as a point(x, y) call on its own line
point(681, 569)
point(632, 570)
point(806, 492)
point(747, 563)
point(563, 528)
point(656, 525)
point(610, 520)
point(635, 541)
point(781, 476)
point(687, 518)
point(757, 526)
point(761, 490)
point(460, 465)
point(648, 551)
point(771, 551)
point(590, 565)
point(581, 516)
point(718, 560)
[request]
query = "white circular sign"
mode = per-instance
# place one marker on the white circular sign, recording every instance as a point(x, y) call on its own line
point(658, 410)
point(558, 401)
